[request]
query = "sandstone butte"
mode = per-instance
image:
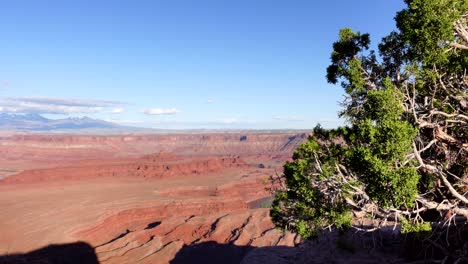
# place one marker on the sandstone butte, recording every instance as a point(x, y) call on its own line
point(164, 198)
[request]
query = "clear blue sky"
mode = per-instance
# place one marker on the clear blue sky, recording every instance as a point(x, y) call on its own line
point(180, 64)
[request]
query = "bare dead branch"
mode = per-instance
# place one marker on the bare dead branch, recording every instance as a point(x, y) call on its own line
point(451, 189)
point(443, 207)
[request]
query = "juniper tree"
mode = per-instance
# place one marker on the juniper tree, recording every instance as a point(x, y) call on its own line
point(403, 154)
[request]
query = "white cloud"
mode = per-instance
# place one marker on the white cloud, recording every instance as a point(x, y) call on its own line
point(46, 105)
point(117, 110)
point(288, 118)
point(161, 111)
point(64, 101)
point(229, 121)
point(210, 101)
point(123, 121)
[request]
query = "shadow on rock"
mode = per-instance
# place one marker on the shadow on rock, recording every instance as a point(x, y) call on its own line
point(73, 253)
point(214, 253)
point(329, 247)
point(211, 253)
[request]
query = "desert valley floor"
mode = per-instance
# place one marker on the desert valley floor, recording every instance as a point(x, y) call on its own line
point(141, 198)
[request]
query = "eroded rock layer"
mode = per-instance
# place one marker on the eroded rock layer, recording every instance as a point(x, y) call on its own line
point(149, 167)
point(162, 242)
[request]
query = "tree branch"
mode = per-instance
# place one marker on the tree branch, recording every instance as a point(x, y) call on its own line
point(451, 189)
point(461, 30)
point(443, 207)
point(434, 112)
point(458, 46)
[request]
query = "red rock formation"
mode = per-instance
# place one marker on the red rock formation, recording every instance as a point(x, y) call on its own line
point(21, 152)
point(149, 167)
point(89, 147)
point(249, 228)
point(143, 198)
point(134, 219)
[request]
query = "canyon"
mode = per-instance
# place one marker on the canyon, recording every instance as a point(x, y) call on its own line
point(143, 198)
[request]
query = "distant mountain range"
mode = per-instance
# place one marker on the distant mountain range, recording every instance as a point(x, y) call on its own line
point(36, 122)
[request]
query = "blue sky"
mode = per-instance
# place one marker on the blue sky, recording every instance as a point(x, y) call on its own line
point(180, 64)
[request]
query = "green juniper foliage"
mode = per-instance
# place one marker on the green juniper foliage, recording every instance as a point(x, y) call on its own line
point(404, 147)
point(304, 199)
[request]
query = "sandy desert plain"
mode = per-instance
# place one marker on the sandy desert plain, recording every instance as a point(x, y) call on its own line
point(150, 198)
